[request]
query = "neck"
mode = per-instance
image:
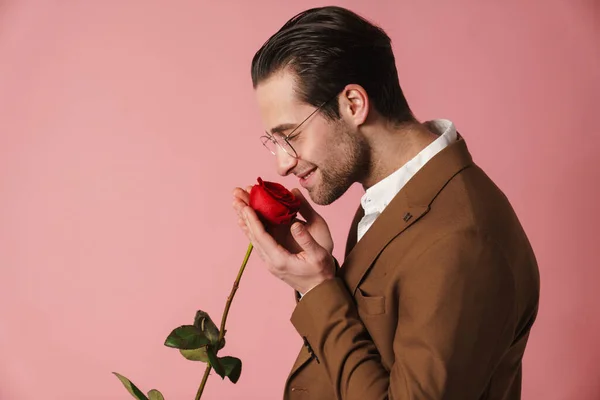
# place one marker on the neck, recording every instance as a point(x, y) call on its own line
point(392, 146)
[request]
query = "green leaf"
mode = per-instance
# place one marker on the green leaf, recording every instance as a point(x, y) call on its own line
point(214, 361)
point(131, 388)
point(155, 395)
point(232, 366)
point(203, 321)
point(195, 354)
point(186, 337)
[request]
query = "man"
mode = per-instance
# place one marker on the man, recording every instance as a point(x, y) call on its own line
point(439, 287)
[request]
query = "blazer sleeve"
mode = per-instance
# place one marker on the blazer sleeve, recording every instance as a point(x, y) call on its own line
point(455, 317)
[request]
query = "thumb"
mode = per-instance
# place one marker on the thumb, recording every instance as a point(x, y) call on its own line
point(304, 238)
point(306, 209)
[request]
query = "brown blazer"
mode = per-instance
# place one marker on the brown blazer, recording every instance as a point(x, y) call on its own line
point(436, 301)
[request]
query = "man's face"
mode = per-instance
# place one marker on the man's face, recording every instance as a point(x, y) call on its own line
point(331, 154)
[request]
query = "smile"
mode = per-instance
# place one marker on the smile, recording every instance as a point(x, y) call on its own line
point(305, 178)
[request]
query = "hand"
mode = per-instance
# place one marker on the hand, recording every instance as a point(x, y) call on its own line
point(315, 224)
point(302, 265)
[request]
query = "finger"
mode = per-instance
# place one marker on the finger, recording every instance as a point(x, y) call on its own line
point(306, 209)
point(262, 239)
point(242, 195)
point(242, 225)
point(305, 239)
point(238, 206)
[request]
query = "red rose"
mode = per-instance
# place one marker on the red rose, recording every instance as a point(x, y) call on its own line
point(273, 202)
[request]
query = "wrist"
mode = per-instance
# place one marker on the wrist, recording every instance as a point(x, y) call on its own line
point(328, 272)
point(316, 283)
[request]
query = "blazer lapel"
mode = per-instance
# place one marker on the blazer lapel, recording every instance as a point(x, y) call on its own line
point(303, 357)
point(409, 205)
point(353, 233)
point(396, 217)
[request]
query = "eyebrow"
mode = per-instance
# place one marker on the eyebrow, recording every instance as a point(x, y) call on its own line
point(282, 128)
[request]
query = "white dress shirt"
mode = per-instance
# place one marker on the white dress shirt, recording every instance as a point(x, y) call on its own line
point(378, 196)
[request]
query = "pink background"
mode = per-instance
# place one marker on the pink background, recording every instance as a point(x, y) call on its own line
point(124, 126)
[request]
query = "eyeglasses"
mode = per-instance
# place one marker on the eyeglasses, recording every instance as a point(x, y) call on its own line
point(283, 141)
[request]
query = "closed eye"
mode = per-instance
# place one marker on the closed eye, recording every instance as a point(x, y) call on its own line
point(294, 135)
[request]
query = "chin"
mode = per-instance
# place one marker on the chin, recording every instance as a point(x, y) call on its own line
point(326, 189)
point(315, 196)
point(320, 197)
point(319, 201)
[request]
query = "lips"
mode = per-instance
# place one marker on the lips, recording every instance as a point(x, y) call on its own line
point(305, 177)
point(306, 174)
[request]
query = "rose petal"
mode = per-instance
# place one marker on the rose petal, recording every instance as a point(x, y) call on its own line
point(273, 202)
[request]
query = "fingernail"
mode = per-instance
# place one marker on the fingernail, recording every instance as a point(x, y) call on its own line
point(297, 228)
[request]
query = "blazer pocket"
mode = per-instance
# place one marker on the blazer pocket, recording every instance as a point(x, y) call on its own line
point(371, 305)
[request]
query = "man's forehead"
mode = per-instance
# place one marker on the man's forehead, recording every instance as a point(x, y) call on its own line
point(277, 100)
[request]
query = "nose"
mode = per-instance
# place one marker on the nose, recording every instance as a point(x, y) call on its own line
point(285, 162)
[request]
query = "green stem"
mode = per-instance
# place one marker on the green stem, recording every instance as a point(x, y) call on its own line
point(204, 379)
point(235, 287)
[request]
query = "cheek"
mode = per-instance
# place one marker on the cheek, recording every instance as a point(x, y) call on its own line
point(322, 154)
point(311, 148)
point(335, 146)
point(323, 145)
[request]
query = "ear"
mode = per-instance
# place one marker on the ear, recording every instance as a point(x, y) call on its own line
point(354, 104)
